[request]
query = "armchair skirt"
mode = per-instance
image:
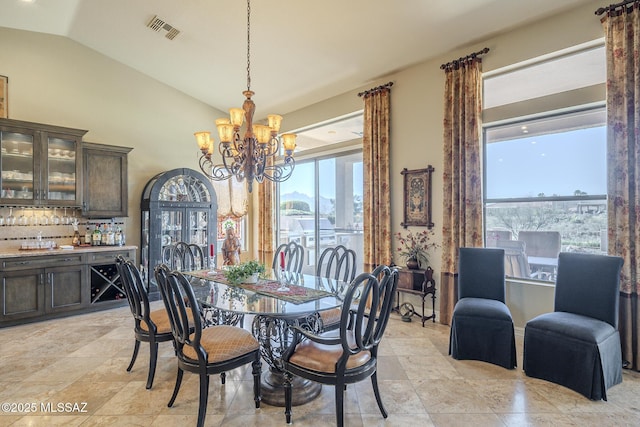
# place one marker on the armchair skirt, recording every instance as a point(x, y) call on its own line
point(590, 348)
point(482, 329)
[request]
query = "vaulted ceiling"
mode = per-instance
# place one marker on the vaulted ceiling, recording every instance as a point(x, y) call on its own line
point(302, 51)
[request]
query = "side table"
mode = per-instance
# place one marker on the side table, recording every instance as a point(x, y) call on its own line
point(417, 282)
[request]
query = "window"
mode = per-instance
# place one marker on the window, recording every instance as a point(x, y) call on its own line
point(545, 178)
point(321, 206)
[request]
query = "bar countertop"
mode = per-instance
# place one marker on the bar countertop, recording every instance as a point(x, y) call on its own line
point(18, 253)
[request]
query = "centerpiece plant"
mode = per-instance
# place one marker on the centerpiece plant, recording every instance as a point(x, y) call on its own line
point(414, 248)
point(240, 273)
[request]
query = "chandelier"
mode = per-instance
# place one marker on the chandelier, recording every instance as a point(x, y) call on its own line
point(253, 155)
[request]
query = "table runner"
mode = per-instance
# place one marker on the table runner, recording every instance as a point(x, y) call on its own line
point(296, 294)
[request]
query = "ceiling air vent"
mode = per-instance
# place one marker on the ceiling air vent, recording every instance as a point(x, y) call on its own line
point(158, 25)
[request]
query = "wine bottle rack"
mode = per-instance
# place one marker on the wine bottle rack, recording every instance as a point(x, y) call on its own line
point(105, 284)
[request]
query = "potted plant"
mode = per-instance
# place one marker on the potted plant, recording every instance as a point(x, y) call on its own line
point(246, 272)
point(414, 248)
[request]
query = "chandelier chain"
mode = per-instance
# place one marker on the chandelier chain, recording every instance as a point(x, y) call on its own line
point(251, 156)
point(248, 44)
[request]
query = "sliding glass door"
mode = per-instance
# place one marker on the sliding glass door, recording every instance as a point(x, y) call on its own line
point(321, 206)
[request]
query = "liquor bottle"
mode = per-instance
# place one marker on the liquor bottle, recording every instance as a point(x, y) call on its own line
point(111, 236)
point(76, 238)
point(118, 237)
point(96, 238)
point(104, 235)
point(87, 236)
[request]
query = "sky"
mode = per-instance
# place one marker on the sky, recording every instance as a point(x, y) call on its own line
point(303, 180)
point(555, 164)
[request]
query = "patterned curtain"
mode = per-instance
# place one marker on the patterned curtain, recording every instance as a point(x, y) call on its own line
point(622, 35)
point(266, 214)
point(377, 197)
point(462, 176)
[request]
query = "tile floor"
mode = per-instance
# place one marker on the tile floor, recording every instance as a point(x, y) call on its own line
point(82, 359)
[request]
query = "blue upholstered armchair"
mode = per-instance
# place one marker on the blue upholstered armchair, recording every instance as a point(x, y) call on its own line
point(482, 326)
point(578, 345)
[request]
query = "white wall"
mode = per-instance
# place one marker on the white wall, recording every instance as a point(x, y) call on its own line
point(417, 98)
point(57, 81)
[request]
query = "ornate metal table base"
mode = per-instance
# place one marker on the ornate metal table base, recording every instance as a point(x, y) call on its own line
point(215, 316)
point(272, 389)
point(274, 337)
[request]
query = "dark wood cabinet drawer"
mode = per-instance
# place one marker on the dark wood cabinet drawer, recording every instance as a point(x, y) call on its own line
point(110, 256)
point(41, 261)
point(410, 279)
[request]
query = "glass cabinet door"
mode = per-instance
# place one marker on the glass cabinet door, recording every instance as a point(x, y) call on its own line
point(18, 165)
point(61, 169)
point(197, 227)
point(171, 228)
point(144, 245)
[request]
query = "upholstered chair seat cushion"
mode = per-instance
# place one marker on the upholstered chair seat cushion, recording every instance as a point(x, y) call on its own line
point(323, 358)
point(223, 342)
point(572, 326)
point(161, 320)
point(330, 317)
point(482, 307)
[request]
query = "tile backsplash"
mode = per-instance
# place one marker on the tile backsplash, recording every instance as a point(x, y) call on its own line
point(12, 236)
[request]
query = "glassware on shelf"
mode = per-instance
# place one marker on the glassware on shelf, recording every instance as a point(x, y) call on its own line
point(66, 220)
point(33, 219)
point(22, 219)
point(45, 219)
point(1, 219)
point(11, 220)
point(55, 219)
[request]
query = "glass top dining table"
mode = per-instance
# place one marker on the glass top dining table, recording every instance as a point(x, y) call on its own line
point(305, 294)
point(273, 310)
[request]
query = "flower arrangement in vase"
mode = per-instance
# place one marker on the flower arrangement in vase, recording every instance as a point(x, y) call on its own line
point(414, 248)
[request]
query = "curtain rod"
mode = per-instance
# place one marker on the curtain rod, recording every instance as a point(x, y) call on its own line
point(456, 63)
point(375, 89)
point(613, 7)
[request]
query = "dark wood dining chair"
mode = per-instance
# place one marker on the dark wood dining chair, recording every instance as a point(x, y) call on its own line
point(293, 257)
point(204, 351)
point(351, 355)
point(339, 264)
point(150, 326)
point(184, 256)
